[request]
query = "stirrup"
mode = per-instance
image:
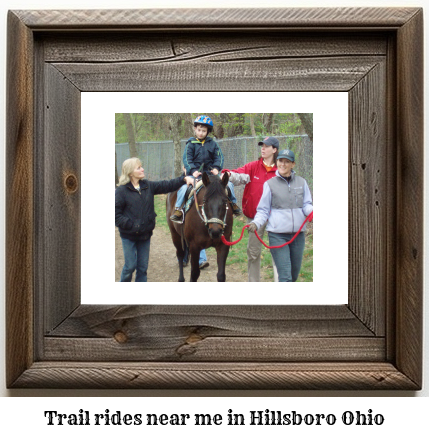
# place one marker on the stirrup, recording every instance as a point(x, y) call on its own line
point(178, 219)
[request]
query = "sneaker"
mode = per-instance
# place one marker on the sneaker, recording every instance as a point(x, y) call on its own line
point(204, 264)
point(177, 216)
point(236, 210)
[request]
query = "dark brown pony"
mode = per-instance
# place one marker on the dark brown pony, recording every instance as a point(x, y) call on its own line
point(203, 228)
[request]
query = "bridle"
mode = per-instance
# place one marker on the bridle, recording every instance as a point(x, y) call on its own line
point(203, 215)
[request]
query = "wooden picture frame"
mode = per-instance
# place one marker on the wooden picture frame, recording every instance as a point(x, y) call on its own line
point(373, 342)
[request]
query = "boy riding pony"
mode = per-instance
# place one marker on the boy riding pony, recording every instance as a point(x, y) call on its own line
point(202, 153)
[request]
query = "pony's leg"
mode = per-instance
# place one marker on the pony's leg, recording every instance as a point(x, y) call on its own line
point(194, 252)
point(175, 233)
point(180, 254)
point(222, 251)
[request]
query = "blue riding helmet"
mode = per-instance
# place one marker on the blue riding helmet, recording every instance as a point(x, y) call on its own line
point(205, 121)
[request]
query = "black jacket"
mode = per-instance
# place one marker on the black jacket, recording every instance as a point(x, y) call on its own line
point(196, 154)
point(135, 211)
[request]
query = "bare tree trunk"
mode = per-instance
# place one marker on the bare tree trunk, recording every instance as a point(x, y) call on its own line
point(307, 122)
point(236, 125)
point(252, 125)
point(188, 125)
point(267, 119)
point(175, 123)
point(131, 135)
point(116, 170)
point(218, 130)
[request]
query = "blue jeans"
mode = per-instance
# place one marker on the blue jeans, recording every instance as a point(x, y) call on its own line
point(136, 254)
point(181, 195)
point(203, 256)
point(288, 259)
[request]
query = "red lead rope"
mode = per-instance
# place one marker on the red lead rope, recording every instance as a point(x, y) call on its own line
point(309, 219)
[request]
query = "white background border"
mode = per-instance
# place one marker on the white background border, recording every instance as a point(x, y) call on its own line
point(330, 176)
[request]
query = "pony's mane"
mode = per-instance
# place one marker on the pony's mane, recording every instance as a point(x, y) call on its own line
point(215, 188)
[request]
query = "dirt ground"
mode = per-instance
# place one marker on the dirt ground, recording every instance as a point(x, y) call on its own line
point(163, 266)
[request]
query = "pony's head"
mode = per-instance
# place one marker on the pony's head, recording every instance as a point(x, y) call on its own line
point(215, 204)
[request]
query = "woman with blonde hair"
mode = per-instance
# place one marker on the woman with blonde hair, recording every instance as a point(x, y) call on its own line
point(135, 215)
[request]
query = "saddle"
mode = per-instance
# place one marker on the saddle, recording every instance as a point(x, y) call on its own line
point(189, 195)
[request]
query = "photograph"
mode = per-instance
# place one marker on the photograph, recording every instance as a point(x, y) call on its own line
point(198, 190)
point(205, 195)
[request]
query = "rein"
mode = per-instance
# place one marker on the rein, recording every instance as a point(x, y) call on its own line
point(309, 218)
point(197, 206)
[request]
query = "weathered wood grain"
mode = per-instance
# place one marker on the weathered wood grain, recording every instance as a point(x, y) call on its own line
point(202, 47)
point(213, 333)
point(298, 74)
point(19, 200)
point(368, 174)
point(95, 346)
point(61, 185)
point(391, 192)
point(410, 211)
point(39, 151)
point(136, 322)
point(341, 376)
point(209, 19)
point(217, 348)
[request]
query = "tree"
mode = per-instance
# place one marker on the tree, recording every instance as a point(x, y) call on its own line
point(188, 125)
point(157, 127)
point(218, 120)
point(175, 124)
point(116, 170)
point(228, 125)
point(252, 124)
point(120, 131)
point(267, 120)
point(131, 135)
point(307, 122)
point(236, 127)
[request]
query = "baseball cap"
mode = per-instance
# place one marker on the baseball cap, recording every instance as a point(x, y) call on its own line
point(286, 154)
point(269, 140)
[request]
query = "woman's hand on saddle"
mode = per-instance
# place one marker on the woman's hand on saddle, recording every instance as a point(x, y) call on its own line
point(215, 171)
point(189, 180)
point(252, 228)
point(196, 174)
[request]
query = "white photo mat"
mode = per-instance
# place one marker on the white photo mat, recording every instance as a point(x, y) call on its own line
point(330, 191)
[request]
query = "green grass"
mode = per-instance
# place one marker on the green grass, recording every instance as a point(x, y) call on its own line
point(306, 273)
point(161, 219)
point(238, 252)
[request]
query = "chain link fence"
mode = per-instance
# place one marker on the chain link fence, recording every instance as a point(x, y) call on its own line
point(157, 157)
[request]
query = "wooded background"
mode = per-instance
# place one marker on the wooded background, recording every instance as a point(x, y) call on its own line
point(135, 128)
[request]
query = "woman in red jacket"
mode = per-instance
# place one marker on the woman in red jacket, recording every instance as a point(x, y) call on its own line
point(254, 175)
